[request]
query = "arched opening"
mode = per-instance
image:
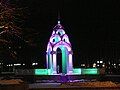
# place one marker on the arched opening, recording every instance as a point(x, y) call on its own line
point(59, 61)
point(59, 33)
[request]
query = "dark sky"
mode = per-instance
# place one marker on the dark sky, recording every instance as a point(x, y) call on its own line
point(93, 26)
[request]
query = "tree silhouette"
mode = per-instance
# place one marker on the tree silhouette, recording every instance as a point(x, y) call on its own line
point(11, 41)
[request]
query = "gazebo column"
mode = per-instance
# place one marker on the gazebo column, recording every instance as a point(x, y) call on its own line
point(70, 63)
point(54, 63)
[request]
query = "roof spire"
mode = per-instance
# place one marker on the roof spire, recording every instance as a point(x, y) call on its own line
point(58, 17)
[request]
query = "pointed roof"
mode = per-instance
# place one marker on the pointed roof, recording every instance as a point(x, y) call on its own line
point(58, 26)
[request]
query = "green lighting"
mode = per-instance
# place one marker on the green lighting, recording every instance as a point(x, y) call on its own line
point(90, 71)
point(64, 59)
point(77, 71)
point(56, 39)
point(41, 72)
point(49, 71)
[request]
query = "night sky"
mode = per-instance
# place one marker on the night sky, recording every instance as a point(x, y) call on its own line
point(93, 26)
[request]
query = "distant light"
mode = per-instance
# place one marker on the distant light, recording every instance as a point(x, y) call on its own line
point(119, 64)
point(82, 64)
point(18, 64)
point(103, 65)
point(23, 63)
point(114, 64)
point(33, 64)
point(98, 62)
point(58, 22)
point(15, 52)
point(101, 61)
point(98, 65)
point(94, 65)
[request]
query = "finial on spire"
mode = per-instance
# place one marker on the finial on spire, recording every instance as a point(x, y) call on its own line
point(58, 21)
point(58, 18)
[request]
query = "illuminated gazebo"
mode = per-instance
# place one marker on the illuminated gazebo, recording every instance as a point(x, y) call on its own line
point(59, 52)
point(59, 56)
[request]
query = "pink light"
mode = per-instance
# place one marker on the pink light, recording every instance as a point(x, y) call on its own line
point(54, 62)
point(66, 38)
point(53, 32)
point(60, 40)
point(70, 64)
point(54, 37)
point(60, 30)
point(61, 43)
point(70, 59)
point(49, 48)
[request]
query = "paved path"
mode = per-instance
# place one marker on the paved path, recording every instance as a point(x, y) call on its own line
point(44, 85)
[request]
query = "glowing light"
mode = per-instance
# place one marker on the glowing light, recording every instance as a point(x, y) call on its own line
point(41, 72)
point(77, 71)
point(98, 62)
point(60, 32)
point(60, 40)
point(49, 71)
point(54, 63)
point(18, 64)
point(61, 43)
point(94, 65)
point(90, 71)
point(64, 59)
point(58, 22)
point(54, 39)
point(70, 59)
point(65, 37)
point(98, 65)
point(49, 47)
point(82, 64)
point(103, 65)
point(101, 61)
point(33, 64)
point(53, 32)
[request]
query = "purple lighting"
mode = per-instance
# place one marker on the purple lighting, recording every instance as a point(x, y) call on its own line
point(59, 40)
